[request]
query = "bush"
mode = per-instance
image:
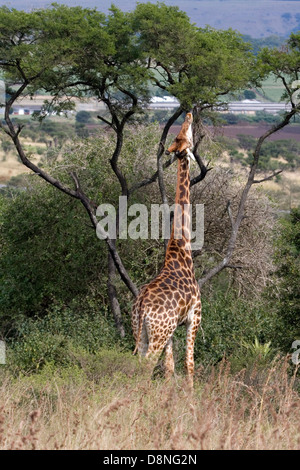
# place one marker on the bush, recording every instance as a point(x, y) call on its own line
point(230, 329)
point(83, 117)
point(63, 336)
point(249, 95)
point(287, 292)
point(48, 251)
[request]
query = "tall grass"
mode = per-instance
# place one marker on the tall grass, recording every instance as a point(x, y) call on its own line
point(75, 408)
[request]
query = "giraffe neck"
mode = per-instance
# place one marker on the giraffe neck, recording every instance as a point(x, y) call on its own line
point(180, 235)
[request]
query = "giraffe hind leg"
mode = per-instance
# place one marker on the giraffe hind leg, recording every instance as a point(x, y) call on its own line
point(144, 342)
point(156, 348)
point(192, 325)
point(169, 359)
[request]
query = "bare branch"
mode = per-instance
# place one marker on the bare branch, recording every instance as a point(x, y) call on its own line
point(240, 213)
point(228, 208)
point(152, 178)
point(204, 169)
point(20, 127)
point(110, 124)
point(234, 266)
point(76, 181)
point(267, 178)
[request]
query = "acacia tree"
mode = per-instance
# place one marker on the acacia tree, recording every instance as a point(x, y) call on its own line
point(76, 52)
point(39, 50)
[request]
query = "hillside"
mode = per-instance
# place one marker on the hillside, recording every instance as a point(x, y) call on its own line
point(259, 18)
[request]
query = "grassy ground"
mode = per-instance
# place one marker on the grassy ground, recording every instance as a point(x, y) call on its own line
point(272, 90)
point(109, 407)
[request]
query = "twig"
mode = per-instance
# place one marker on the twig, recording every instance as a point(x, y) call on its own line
point(228, 208)
point(267, 178)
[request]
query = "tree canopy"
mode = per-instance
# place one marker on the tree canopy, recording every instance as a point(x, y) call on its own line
point(76, 51)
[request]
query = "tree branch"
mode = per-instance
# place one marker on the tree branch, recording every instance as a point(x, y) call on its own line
point(77, 193)
point(267, 178)
point(113, 297)
point(204, 169)
point(110, 124)
point(241, 208)
point(152, 178)
point(228, 208)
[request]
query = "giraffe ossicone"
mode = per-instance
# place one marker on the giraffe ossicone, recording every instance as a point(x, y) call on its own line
point(173, 297)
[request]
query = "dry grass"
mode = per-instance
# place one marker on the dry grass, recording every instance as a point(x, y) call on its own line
point(10, 167)
point(244, 411)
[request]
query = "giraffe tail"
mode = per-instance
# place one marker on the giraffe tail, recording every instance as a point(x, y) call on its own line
point(141, 321)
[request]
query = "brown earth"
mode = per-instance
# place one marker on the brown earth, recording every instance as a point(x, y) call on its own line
point(290, 132)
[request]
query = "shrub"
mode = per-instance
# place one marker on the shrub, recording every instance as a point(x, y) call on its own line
point(62, 336)
point(287, 292)
point(229, 324)
point(83, 117)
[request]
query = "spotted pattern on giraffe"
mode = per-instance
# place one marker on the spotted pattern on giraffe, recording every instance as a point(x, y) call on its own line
point(173, 297)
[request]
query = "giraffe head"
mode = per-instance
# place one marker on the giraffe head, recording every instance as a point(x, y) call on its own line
point(187, 136)
point(189, 118)
point(183, 143)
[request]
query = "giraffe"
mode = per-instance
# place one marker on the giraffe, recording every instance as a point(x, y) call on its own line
point(173, 296)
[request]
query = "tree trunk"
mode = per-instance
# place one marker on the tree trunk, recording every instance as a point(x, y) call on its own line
point(112, 294)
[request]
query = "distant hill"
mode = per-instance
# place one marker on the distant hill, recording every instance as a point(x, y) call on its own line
point(257, 18)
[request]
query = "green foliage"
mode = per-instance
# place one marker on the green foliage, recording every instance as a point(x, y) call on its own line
point(46, 254)
point(114, 57)
point(269, 41)
point(7, 145)
point(48, 131)
point(81, 130)
point(287, 258)
point(228, 325)
point(62, 336)
point(252, 356)
point(83, 117)
point(284, 65)
point(195, 65)
point(287, 149)
point(249, 95)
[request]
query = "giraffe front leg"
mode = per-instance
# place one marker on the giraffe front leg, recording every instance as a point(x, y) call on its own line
point(191, 331)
